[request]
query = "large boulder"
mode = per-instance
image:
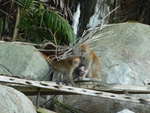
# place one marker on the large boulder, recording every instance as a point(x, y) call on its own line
point(125, 53)
point(13, 101)
point(23, 61)
point(125, 59)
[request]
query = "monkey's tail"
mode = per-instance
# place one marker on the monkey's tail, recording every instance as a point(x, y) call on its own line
point(48, 76)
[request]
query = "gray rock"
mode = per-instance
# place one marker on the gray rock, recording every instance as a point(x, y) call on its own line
point(4, 70)
point(22, 60)
point(13, 101)
point(125, 59)
point(89, 104)
point(125, 54)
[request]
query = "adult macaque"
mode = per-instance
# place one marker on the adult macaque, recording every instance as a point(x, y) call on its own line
point(66, 67)
point(91, 62)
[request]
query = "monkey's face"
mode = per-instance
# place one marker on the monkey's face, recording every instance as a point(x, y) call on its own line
point(76, 63)
point(82, 68)
point(84, 53)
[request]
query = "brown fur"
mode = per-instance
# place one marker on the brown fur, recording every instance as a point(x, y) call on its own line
point(66, 67)
point(91, 61)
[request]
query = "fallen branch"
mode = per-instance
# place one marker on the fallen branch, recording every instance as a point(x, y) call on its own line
point(53, 87)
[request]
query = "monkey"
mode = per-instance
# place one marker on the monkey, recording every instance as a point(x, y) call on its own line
point(91, 62)
point(66, 67)
point(90, 67)
point(63, 67)
point(79, 71)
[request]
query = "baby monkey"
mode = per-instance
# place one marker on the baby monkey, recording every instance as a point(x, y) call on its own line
point(79, 71)
point(66, 67)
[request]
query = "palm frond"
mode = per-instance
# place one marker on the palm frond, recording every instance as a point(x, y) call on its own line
point(27, 5)
point(53, 21)
point(42, 23)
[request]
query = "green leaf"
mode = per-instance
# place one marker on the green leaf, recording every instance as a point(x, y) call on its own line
point(41, 6)
point(37, 21)
point(27, 5)
point(56, 23)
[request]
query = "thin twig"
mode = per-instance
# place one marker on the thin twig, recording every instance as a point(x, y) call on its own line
point(55, 44)
point(6, 13)
point(110, 13)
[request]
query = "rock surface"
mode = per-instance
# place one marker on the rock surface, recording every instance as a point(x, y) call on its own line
point(125, 54)
point(125, 59)
point(13, 101)
point(22, 60)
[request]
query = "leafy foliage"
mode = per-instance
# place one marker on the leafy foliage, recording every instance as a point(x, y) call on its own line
point(27, 5)
point(39, 21)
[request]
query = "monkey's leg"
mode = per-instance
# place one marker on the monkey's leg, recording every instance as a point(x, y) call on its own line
point(70, 78)
point(65, 81)
point(94, 73)
point(57, 77)
point(89, 73)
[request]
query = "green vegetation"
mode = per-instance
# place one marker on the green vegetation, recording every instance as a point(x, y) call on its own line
point(36, 22)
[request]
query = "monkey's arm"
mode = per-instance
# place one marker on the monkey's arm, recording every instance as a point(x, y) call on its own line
point(87, 71)
point(70, 77)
